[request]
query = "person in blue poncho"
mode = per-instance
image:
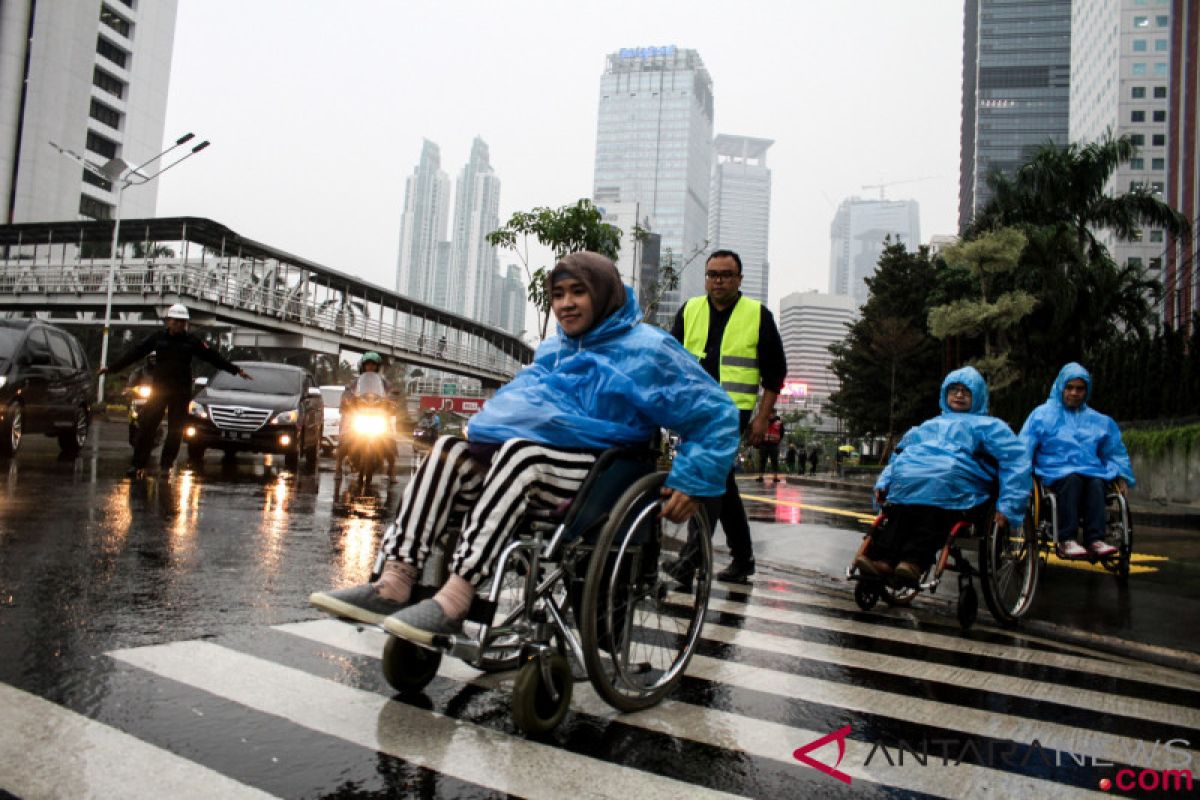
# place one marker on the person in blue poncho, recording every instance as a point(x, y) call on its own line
point(604, 380)
point(1076, 450)
point(944, 471)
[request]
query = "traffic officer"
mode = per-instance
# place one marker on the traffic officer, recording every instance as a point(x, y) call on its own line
point(738, 344)
point(174, 348)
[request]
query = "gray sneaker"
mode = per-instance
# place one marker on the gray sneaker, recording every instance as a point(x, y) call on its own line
point(359, 603)
point(420, 623)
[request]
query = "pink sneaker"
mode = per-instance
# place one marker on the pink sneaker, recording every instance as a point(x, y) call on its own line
point(1070, 550)
point(1101, 550)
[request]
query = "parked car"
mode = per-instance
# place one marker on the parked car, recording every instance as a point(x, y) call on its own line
point(332, 397)
point(45, 385)
point(279, 411)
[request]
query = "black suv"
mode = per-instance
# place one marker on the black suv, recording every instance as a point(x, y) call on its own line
point(280, 411)
point(45, 385)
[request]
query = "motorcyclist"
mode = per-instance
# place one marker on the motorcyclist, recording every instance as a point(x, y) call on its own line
point(174, 348)
point(370, 362)
point(431, 421)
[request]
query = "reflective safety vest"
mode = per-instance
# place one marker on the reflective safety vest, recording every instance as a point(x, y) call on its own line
point(739, 346)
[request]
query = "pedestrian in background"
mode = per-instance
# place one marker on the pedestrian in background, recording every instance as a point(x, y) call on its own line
point(814, 455)
point(789, 460)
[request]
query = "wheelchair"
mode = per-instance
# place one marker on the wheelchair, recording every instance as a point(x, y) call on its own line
point(1043, 518)
point(1008, 570)
point(580, 590)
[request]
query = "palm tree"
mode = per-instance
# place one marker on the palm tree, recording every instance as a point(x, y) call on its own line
point(1065, 186)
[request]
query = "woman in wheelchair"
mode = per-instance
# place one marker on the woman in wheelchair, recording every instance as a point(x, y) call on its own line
point(1076, 451)
point(944, 471)
point(604, 380)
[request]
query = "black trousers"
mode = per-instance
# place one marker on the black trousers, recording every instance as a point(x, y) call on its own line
point(173, 403)
point(729, 510)
point(916, 533)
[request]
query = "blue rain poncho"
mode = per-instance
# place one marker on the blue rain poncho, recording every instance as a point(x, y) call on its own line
point(943, 461)
point(1062, 441)
point(617, 384)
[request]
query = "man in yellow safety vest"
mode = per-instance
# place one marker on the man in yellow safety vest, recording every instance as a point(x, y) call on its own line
point(738, 344)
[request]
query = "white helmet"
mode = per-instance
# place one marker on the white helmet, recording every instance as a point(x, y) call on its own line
point(178, 311)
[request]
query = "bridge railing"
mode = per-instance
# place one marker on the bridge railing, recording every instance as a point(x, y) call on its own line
point(222, 287)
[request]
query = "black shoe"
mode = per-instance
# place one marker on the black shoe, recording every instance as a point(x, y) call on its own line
point(737, 572)
point(682, 573)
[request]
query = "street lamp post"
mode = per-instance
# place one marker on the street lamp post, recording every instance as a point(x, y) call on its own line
point(122, 176)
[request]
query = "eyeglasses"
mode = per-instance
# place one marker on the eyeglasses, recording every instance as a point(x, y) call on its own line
point(720, 276)
point(958, 390)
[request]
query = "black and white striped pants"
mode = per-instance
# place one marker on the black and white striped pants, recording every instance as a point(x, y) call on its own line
point(522, 474)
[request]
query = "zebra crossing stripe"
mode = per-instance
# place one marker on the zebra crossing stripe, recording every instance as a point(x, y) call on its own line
point(49, 751)
point(462, 750)
point(955, 644)
point(989, 682)
point(723, 728)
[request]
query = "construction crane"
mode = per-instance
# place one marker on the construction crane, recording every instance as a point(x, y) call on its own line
point(882, 186)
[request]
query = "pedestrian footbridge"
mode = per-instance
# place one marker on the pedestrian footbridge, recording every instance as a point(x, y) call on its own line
point(270, 299)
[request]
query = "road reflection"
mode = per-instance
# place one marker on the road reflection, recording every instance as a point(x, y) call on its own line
point(274, 525)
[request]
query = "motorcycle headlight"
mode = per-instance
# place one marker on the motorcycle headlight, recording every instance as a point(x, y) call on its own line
point(3, 380)
point(143, 391)
point(369, 424)
point(197, 410)
point(286, 418)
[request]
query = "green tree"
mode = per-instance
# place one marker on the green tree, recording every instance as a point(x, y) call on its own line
point(564, 230)
point(993, 315)
point(885, 388)
point(1066, 186)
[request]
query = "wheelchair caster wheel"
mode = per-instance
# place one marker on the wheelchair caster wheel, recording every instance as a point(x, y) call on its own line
point(538, 707)
point(866, 594)
point(968, 606)
point(407, 667)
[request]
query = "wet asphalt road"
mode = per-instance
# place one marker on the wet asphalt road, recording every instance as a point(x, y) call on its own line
point(123, 601)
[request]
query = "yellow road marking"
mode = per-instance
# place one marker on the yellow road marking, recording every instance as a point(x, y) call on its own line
point(1136, 560)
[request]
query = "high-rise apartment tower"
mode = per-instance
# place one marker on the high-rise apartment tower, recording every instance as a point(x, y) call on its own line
point(474, 264)
point(858, 233)
point(422, 228)
point(91, 76)
point(1181, 295)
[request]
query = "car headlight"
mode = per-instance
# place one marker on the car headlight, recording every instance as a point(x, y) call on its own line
point(286, 418)
point(369, 424)
point(197, 410)
point(3, 380)
point(143, 391)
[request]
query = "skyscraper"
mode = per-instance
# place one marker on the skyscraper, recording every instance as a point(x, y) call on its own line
point(1120, 55)
point(654, 148)
point(91, 77)
point(1016, 76)
point(474, 264)
point(740, 207)
point(858, 232)
point(511, 301)
point(1181, 297)
point(808, 323)
point(422, 227)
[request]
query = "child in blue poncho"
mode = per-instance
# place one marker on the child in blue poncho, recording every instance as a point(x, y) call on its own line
point(1076, 451)
point(605, 380)
point(944, 471)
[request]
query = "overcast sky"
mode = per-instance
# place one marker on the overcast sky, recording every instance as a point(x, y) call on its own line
point(316, 110)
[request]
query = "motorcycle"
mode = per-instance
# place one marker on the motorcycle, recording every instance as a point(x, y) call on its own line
point(138, 391)
point(368, 429)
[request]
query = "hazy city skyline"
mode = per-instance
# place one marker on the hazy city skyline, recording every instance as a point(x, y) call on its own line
point(310, 154)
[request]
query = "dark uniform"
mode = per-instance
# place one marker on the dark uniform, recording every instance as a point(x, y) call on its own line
point(772, 367)
point(172, 383)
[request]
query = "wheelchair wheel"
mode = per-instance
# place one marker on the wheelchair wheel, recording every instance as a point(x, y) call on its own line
point(968, 606)
point(1121, 536)
point(638, 635)
point(866, 594)
point(535, 709)
point(407, 667)
point(1008, 566)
